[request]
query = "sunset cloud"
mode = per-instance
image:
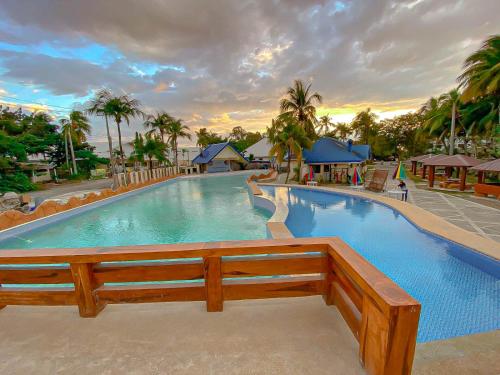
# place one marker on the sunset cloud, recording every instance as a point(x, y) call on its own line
point(227, 63)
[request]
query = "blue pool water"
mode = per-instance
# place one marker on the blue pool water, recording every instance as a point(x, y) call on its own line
point(457, 298)
point(184, 210)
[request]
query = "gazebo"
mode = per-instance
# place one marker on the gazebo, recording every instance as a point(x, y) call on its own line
point(455, 161)
point(432, 158)
point(418, 159)
point(483, 189)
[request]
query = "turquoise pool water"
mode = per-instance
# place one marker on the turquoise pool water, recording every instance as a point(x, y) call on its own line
point(183, 210)
point(459, 290)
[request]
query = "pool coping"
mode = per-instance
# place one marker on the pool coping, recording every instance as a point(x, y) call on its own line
point(420, 217)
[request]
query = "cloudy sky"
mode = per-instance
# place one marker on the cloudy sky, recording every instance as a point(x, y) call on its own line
point(224, 63)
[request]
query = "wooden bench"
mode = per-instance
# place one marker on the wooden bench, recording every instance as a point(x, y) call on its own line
point(483, 190)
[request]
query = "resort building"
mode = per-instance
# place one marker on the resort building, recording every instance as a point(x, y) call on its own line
point(220, 157)
point(332, 159)
point(259, 152)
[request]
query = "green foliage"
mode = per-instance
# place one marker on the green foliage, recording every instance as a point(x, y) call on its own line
point(205, 138)
point(288, 138)
point(300, 103)
point(16, 181)
point(241, 139)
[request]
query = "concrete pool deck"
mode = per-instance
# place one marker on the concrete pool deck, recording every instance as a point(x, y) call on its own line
point(275, 336)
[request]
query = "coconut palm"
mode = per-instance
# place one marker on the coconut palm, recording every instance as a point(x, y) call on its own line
point(481, 76)
point(158, 123)
point(288, 138)
point(98, 106)
point(300, 103)
point(153, 147)
point(75, 127)
point(363, 124)
point(123, 108)
point(324, 125)
point(440, 117)
point(177, 130)
point(342, 131)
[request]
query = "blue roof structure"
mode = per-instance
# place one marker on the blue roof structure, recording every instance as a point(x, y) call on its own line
point(211, 151)
point(327, 150)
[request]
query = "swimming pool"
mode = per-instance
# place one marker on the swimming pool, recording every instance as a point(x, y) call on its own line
point(196, 209)
point(457, 297)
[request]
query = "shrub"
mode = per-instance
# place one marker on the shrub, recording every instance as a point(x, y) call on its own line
point(17, 182)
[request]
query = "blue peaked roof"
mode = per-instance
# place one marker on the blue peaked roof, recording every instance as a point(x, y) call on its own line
point(329, 150)
point(211, 151)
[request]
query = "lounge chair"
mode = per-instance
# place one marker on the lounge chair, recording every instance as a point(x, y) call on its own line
point(378, 180)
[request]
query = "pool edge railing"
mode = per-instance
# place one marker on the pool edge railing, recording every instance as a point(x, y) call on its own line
point(381, 315)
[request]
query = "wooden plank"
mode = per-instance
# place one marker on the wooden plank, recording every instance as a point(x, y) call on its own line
point(85, 286)
point(269, 266)
point(136, 272)
point(272, 288)
point(154, 252)
point(31, 275)
point(151, 293)
point(213, 283)
point(38, 296)
point(349, 287)
point(347, 308)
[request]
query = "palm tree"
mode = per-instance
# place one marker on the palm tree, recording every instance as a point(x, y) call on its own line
point(153, 148)
point(440, 115)
point(177, 130)
point(158, 123)
point(324, 124)
point(299, 103)
point(342, 130)
point(138, 146)
point(77, 127)
point(123, 108)
point(288, 138)
point(481, 76)
point(98, 106)
point(363, 124)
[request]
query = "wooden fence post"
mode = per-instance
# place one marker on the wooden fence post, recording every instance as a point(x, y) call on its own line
point(387, 344)
point(213, 283)
point(85, 286)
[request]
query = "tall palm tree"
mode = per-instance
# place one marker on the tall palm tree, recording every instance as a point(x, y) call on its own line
point(158, 123)
point(123, 108)
point(342, 130)
point(76, 127)
point(363, 124)
point(324, 125)
point(177, 130)
point(481, 76)
point(300, 103)
point(288, 138)
point(440, 117)
point(153, 147)
point(98, 106)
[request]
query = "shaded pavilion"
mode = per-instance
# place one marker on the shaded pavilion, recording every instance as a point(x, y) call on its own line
point(418, 159)
point(482, 188)
point(455, 161)
point(433, 158)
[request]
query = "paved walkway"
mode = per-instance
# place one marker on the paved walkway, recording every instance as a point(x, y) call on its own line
point(482, 219)
point(56, 190)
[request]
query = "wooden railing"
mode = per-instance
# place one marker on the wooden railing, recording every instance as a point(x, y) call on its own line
point(382, 316)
